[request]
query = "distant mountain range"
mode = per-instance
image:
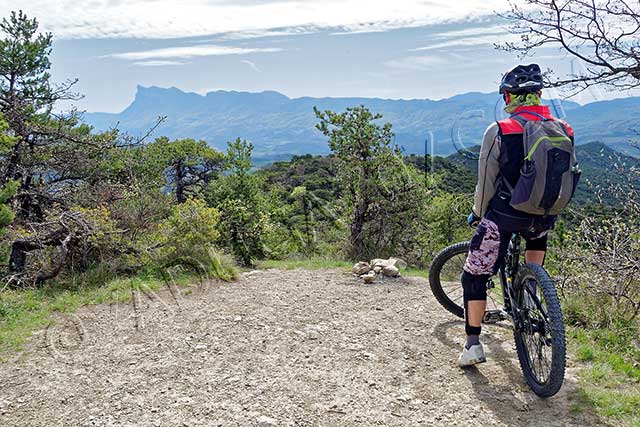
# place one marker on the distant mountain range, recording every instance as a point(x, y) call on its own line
point(280, 126)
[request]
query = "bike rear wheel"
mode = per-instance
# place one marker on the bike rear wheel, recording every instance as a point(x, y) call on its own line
point(539, 333)
point(444, 280)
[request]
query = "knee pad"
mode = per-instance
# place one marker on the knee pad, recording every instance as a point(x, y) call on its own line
point(474, 286)
point(538, 244)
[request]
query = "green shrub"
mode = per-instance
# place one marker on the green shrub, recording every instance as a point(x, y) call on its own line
point(187, 237)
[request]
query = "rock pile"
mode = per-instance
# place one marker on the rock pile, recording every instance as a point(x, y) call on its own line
point(369, 271)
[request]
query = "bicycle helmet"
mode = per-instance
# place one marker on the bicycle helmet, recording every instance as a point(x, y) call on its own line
point(522, 79)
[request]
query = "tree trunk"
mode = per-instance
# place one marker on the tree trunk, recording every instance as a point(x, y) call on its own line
point(357, 238)
point(180, 187)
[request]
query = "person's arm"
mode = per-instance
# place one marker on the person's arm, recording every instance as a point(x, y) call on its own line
point(488, 170)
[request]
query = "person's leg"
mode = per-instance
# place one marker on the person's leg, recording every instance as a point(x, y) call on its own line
point(535, 250)
point(481, 260)
point(475, 304)
point(534, 257)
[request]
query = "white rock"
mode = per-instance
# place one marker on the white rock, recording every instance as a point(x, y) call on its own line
point(386, 263)
point(252, 272)
point(399, 262)
point(377, 269)
point(390, 271)
point(377, 262)
point(369, 277)
point(264, 421)
point(361, 268)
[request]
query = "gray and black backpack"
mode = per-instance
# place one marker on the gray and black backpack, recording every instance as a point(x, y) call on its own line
point(550, 171)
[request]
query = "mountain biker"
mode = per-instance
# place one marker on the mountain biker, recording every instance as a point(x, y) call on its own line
point(501, 158)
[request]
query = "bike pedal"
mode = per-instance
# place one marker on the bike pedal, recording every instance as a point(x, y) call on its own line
point(494, 316)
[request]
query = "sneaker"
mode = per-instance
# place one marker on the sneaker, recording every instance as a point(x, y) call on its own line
point(471, 356)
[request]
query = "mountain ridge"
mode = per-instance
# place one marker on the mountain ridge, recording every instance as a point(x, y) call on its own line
point(279, 125)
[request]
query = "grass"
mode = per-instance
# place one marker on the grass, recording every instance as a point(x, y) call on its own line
point(23, 311)
point(610, 379)
point(306, 263)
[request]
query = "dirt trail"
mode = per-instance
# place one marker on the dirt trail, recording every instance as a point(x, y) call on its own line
point(277, 348)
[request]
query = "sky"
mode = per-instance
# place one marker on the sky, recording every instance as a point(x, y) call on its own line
point(390, 49)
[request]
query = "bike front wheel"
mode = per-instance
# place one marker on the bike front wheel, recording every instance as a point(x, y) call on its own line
point(539, 333)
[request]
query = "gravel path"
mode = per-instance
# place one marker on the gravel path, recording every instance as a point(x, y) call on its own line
point(276, 348)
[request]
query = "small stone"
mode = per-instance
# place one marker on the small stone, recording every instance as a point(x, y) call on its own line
point(399, 263)
point(264, 421)
point(361, 268)
point(377, 269)
point(370, 277)
point(391, 271)
point(377, 262)
point(251, 273)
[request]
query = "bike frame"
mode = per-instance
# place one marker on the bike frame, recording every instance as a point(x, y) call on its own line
point(508, 272)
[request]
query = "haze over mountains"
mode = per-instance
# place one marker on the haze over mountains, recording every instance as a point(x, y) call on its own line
point(280, 126)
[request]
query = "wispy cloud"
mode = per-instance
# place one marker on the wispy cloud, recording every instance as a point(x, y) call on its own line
point(276, 32)
point(466, 42)
point(192, 18)
point(189, 52)
point(472, 32)
point(418, 62)
point(252, 65)
point(158, 63)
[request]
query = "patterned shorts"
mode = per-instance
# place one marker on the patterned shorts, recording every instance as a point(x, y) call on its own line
point(485, 247)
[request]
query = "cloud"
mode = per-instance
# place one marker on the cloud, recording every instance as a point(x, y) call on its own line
point(157, 63)
point(276, 32)
point(473, 32)
point(193, 18)
point(417, 63)
point(466, 42)
point(189, 52)
point(252, 65)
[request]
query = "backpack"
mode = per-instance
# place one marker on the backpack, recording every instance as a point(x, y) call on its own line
point(550, 172)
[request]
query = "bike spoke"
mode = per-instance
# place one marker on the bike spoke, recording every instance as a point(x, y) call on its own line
point(451, 285)
point(495, 304)
point(460, 263)
point(459, 294)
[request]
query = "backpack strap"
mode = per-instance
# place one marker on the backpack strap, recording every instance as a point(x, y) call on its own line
point(510, 126)
point(567, 126)
point(540, 116)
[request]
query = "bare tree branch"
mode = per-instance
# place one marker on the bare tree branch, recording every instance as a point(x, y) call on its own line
point(601, 35)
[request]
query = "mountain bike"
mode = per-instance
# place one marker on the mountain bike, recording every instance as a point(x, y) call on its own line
point(527, 297)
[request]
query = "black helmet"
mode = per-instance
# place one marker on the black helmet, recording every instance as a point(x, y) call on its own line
point(522, 79)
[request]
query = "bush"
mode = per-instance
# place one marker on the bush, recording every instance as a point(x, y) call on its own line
point(245, 218)
point(190, 224)
point(599, 268)
point(187, 238)
point(598, 262)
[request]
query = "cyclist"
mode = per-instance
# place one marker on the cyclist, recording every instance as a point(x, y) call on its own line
point(501, 158)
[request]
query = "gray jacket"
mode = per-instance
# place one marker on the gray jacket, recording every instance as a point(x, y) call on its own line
point(488, 170)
